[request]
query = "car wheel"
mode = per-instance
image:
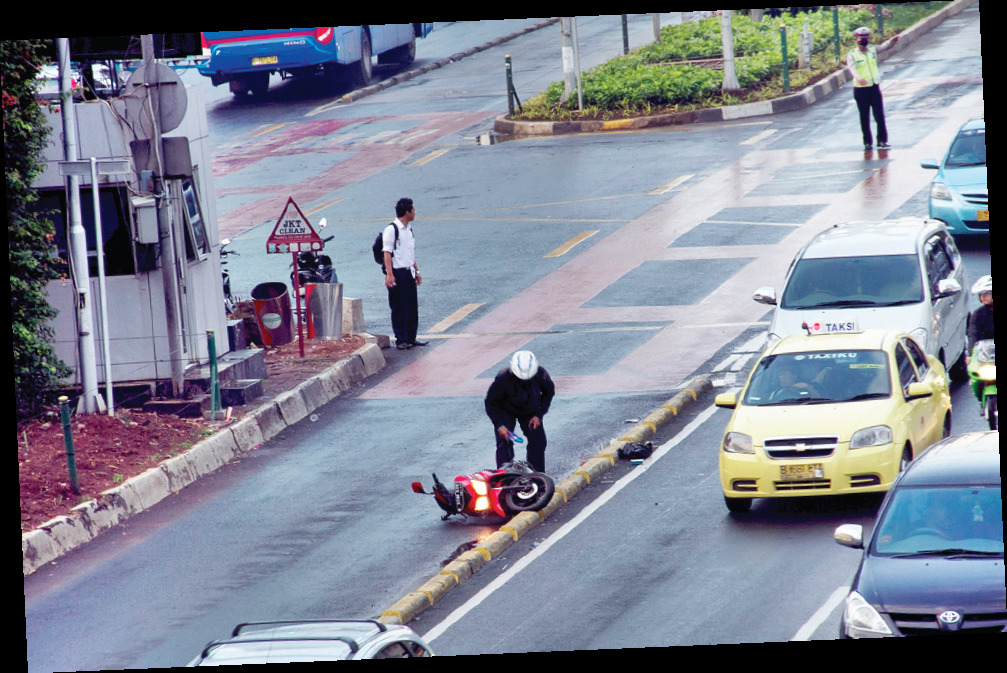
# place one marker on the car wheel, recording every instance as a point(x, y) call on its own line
point(907, 457)
point(947, 427)
point(363, 70)
point(958, 371)
point(738, 505)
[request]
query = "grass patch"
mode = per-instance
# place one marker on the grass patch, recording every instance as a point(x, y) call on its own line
point(681, 72)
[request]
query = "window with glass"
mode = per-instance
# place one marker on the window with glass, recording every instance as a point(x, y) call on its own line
point(873, 280)
point(819, 377)
point(942, 519)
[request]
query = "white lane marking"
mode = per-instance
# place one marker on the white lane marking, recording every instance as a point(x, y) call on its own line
point(759, 136)
point(474, 602)
point(817, 619)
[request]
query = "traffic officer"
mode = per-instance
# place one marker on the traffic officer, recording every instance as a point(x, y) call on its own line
point(862, 62)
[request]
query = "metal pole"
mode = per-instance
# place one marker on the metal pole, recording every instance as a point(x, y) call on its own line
point(786, 61)
point(71, 460)
point(576, 65)
point(169, 260)
point(835, 31)
point(102, 294)
point(881, 20)
point(510, 85)
point(297, 295)
point(211, 347)
point(90, 399)
point(625, 34)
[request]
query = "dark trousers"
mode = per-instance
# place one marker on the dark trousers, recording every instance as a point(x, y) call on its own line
point(536, 444)
point(405, 310)
point(869, 100)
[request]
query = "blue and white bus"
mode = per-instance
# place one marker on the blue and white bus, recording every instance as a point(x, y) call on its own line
point(245, 59)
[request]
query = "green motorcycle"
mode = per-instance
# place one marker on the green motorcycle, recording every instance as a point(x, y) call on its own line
point(983, 377)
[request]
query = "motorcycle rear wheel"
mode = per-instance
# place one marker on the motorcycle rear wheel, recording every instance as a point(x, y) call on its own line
point(528, 493)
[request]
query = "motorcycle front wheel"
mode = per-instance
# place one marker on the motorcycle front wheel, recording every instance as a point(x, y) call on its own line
point(528, 493)
point(991, 412)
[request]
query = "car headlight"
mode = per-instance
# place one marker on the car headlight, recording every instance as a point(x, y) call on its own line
point(938, 190)
point(874, 436)
point(735, 442)
point(861, 619)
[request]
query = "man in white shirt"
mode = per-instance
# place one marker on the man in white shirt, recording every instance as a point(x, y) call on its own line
point(402, 276)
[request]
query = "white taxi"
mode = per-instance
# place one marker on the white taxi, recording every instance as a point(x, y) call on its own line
point(831, 413)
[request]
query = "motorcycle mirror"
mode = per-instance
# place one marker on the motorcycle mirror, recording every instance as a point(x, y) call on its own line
point(418, 487)
point(321, 223)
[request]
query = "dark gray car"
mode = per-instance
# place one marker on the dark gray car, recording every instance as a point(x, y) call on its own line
point(935, 561)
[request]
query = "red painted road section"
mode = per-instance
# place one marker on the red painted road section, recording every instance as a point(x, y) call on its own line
point(695, 333)
point(322, 137)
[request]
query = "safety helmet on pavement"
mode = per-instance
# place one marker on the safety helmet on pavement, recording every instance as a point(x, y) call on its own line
point(863, 31)
point(524, 365)
point(984, 284)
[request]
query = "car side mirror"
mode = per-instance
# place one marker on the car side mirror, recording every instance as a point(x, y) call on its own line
point(947, 287)
point(765, 295)
point(918, 390)
point(850, 535)
point(726, 400)
point(929, 163)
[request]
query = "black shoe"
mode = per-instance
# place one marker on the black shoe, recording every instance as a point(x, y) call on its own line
point(868, 147)
point(403, 345)
point(884, 146)
point(419, 343)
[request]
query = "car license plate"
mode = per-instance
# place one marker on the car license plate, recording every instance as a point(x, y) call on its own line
point(265, 60)
point(983, 216)
point(799, 472)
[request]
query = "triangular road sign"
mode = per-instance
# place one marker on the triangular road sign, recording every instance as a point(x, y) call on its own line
point(293, 232)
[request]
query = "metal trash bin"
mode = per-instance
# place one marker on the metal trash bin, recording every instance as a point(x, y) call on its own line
point(272, 312)
point(325, 311)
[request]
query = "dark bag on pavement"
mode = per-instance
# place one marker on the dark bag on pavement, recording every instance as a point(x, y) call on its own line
point(636, 451)
point(379, 246)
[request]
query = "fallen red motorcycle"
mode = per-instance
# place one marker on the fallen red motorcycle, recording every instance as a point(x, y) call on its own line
point(503, 492)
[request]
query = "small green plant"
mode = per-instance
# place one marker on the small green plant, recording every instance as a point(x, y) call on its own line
point(117, 478)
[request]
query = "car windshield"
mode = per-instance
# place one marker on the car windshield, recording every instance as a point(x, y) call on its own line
point(837, 282)
point(819, 377)
point(968, 149)
point(942, 520)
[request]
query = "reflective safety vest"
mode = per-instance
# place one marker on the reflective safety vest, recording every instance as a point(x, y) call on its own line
point(865, 64)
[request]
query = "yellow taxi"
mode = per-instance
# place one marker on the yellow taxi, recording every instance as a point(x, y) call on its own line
point(831, 413)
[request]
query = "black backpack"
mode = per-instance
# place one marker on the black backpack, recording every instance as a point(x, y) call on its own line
point(378, 247)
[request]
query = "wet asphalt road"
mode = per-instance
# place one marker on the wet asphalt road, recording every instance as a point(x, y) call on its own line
point(687, 221)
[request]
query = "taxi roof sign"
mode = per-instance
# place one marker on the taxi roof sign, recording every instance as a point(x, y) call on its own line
point(832, 327)
point(293, 232)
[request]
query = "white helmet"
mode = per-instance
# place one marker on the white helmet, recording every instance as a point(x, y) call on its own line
point(524, 365)
point(984, 284)
point(863, 31)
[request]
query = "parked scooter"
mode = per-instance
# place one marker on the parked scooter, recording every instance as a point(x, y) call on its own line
point(313, 267)
point(229, 303)
point(502, 492)
point(983, 377)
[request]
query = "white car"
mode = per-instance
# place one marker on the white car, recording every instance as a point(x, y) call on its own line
point(904, 274)
point(312, 640)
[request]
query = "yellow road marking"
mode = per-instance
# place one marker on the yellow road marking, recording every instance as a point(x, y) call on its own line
point(443, 325)
point(270, 129)
point(671, 185)
point(758, 136)
point(563, 249)
point(430, 157)
point(325, 205)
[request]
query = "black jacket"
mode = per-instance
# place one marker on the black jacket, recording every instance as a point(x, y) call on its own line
point(980, 326)
point(510, 397)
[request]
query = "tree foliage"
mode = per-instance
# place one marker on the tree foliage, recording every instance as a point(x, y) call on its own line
point(29, 236)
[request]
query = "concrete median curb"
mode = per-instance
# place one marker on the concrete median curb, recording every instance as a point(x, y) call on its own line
point(63, 534)
point(467, 564)
point(789, 103)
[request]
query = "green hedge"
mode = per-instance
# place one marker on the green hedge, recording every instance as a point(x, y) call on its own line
point(649, 78)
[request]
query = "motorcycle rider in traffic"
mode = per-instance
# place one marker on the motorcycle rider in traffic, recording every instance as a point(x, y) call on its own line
point(521, 394)
point(980, 324)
